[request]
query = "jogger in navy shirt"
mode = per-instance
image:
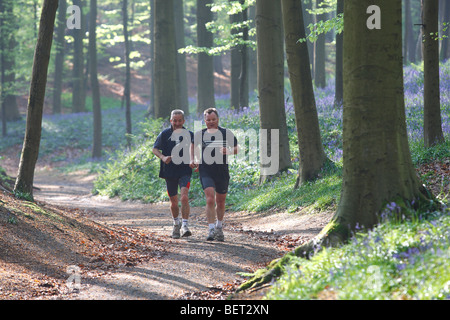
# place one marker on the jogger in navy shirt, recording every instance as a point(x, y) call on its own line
point(175, 171)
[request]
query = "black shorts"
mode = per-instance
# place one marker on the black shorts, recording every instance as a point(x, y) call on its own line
point(220, 185)
point(172, 184)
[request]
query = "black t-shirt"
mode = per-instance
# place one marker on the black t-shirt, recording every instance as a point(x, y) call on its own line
point(213, 162)
point(176, 144)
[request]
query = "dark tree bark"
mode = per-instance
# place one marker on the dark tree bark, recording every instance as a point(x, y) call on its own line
point(312, 155)
point(319, 55)
point(377, 161)
point(205, 80)
point(432, 105)
point(166, 95)
point(96, 104)
point(339, 82)
point(127, 89)
point(269, 36)
point(59, 57)
point(30, 150)
point(181, 58)
point(79, 90)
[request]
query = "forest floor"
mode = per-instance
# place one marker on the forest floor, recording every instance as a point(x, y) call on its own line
point(124, 250)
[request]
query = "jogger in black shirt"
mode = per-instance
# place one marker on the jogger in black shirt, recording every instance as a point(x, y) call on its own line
point(216, 144)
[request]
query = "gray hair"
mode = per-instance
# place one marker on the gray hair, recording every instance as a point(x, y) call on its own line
point(175, 112)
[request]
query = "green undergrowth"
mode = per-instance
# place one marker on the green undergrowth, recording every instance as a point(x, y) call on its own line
point(407, 259)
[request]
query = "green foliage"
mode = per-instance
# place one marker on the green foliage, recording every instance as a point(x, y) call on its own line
point(227, 35)
point(421, 155)
point(279, 193)
point(135, 175)
point(324, 26)
point(407, 260)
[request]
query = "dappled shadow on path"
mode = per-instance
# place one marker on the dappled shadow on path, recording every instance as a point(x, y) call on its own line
point(188, 264)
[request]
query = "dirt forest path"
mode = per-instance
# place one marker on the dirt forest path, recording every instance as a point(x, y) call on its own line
point(189, 265)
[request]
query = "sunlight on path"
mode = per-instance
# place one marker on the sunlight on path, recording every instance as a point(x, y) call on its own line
point(191, 264)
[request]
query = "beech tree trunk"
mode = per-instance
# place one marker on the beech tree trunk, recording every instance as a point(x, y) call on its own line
point(432, 122)
point(312, 155)
point(127, 89)
point(377, 162)
point(205, 80)
point(79, 90)
point(319, 53)
point(96, 104)
point(165, 72)
point(59, 56)
point(30, 150)
point(339, 83)
point(269, 36)
point(181, 58)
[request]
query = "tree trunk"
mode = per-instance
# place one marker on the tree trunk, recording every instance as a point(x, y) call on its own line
point(30, 151)
point(59, 56)
point(236, 64)
point(410, 45)
point(96, 104)
point(432, 106)
point(151, 106)
point(271, 81)
point(165, 76)
point(252, 61)
point(319, 55)
point(339, 83)
point(79, 90)
point(312, 155)
point(127, 89)
point(181, 58)
point(377, 161)
point(444, 45)
point(243, 77)
point(3, 26)
point(308, 18)
point(205, 80)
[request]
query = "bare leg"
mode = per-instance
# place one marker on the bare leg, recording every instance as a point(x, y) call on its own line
point(174, 206)
point(220, 205)
point(210, 205)
point(185, 208)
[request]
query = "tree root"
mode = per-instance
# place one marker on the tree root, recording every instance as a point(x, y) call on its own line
point(275, 268)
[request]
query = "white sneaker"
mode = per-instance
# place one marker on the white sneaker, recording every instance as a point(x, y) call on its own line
point(185, 232)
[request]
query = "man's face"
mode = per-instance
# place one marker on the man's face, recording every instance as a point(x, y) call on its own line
point(177, 121)
point(211, 120)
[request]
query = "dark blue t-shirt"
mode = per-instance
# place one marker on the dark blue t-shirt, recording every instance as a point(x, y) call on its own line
point(175, 144)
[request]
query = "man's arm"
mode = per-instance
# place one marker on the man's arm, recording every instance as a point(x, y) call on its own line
point(165, 159)
point(194, 154)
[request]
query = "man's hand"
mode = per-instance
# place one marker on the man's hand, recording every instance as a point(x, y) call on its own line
point(166, 159)
point(193, 165)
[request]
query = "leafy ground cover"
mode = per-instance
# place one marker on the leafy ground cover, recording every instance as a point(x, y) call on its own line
point(399, 259)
